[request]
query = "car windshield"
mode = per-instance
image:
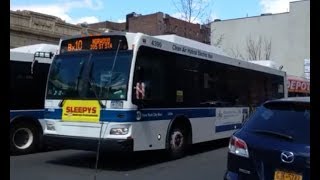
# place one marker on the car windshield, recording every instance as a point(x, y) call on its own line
point(89, 76)
point(282, 119)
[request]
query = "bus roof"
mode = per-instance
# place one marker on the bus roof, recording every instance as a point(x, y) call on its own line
point(36, 47)
point(26, 53)
point(267, 63)
point(188, 47)
point(211, 53)
point(181, 40)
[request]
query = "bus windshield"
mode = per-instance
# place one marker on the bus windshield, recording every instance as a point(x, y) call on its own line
point(88, 75)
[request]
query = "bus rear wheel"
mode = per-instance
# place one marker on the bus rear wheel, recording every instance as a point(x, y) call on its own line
point(24, 138)
point(177, 142)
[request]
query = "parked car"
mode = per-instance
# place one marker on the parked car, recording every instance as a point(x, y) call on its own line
point(274, 142)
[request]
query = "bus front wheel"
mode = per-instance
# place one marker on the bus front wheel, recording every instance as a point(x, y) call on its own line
point(24, 138)
point(177, 142)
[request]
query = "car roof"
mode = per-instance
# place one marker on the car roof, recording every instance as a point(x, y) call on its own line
point(292, 99)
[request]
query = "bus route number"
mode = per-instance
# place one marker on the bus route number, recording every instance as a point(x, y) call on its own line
point(76, 46)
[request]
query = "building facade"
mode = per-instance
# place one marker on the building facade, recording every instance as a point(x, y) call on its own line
point(287, 34)
point(158, 24)
point(29, 28)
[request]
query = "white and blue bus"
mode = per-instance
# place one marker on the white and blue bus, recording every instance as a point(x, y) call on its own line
point(136, 92)
point(29, 66)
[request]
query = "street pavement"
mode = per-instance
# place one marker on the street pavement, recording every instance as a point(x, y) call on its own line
point(204, 161)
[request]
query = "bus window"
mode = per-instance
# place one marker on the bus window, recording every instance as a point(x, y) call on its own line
point(152, 74)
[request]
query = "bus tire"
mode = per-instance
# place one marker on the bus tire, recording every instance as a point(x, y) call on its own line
point(177, 144)
point(24, 138)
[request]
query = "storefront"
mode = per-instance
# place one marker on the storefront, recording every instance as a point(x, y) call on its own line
point(298, 86)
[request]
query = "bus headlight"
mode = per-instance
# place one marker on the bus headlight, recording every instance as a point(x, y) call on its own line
point(50, 126)
point(119, 131)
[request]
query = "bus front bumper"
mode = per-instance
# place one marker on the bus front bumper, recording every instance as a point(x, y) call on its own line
point(89, 144)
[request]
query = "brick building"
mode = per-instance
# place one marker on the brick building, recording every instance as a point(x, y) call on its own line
point(158, 24)
point(108, 25)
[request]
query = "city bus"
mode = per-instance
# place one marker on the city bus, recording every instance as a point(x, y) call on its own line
point(134, 92)
point(29, 66)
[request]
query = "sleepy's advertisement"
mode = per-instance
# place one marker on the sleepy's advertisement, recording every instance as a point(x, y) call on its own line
point(81, 111)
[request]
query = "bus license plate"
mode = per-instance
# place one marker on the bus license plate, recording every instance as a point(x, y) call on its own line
point(282, 175)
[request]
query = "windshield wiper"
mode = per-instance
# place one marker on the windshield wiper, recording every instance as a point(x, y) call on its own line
point(272, 133)
point(112, 69)
point(94, 89)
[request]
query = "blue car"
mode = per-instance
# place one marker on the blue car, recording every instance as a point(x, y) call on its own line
point(274, 143)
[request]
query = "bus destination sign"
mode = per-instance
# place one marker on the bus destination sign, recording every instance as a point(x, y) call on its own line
point(94, 43)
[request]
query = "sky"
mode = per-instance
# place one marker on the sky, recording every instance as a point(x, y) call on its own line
point(92, 11)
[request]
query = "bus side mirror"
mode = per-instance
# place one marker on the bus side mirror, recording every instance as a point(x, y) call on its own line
point(34, 66)
point(39, 54)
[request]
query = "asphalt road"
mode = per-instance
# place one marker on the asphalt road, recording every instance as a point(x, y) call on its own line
point(204, 161)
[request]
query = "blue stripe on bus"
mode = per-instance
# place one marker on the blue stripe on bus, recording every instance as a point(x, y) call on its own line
point(171, 113)
point(31, 113)
point(53, 114)
point(228, 127)
point(147, 115)
point(117, 116)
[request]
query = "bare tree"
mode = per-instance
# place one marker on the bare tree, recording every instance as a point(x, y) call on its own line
point(236, 53)
point(260, 49)
point(267, 48)
point(255, 49)
point(192, 9)
point(219, 39)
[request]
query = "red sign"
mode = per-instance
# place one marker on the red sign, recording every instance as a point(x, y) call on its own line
point(296, 85)
point(71, 109)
